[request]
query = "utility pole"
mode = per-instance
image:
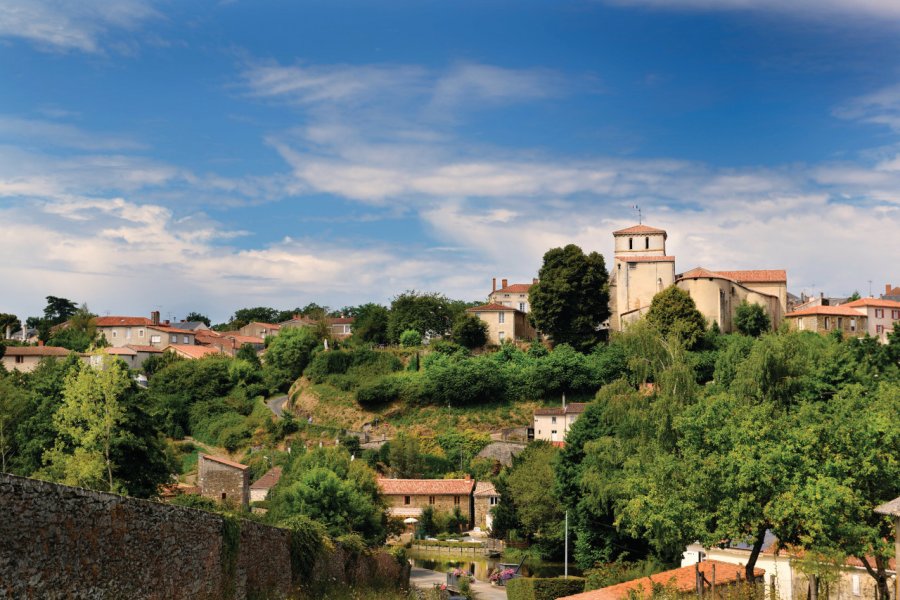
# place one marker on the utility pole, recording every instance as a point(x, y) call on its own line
point(566, 567)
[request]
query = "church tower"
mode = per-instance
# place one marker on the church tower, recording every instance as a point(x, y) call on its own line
point(641, 269)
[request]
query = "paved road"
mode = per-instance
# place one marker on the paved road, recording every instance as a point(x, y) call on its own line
point(425, 579)
point(276, 404)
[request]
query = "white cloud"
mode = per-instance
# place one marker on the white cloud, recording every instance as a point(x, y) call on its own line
point(62, 25)
point(881, 107)
point(58, 134)
point(881, 9)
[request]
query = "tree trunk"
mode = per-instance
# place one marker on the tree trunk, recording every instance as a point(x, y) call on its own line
point(879, 574)
point(754, 553)
point(813, 587)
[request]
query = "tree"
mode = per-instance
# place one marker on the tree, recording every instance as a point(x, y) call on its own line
point(470, 331)
point(78, 333)
point(854, 296)
point(751, 319)
point(8, 320)
point(248, 352)
point(371, 323)
point(571, 300)
point(410, 338)
point(14, 402)
point(58, 310)
point(405, 456)
point(538, 508)
point(195, 317)
point(430, 314)
point(673, 313)
point(291, 351)
point(88, 422)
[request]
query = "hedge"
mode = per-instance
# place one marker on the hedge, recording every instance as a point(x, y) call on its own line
point(533, 588)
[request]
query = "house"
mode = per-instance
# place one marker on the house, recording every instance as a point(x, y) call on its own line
point(407, 497)
point(259, 330)
point(880, 315)
point(718, 294)
point(641, 269)
point(192, 352)
point(190, 325)
point(340, 327)
point(552, 424)
point(514, 295)
point(685, 580)
point(486, 498)
point(125, 331)
point(25, 359)
point(259, 489)
point(505, 323)
point(127, 355)
point(297, 321)
point(143, 353)
point(891, 293)
point(825, 319)
point(224, 480)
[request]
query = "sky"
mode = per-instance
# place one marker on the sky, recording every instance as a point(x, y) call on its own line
point(212, 155)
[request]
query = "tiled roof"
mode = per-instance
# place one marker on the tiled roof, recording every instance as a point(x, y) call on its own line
point(573, 408)
point(37, 351)
point(224, 461)
point(268, 480)
point(874, 302)
point(245, 339)
point(700, 273)
point(193, 351)
point(639, 229)
point(126, 351)
point(426, 487)
point(121, 321)
point(514, 288)
point(266, 325)
point(485, 489)
point(838, 311)
point(629, 259)
point(493, 307)
point(341, 320)
point(757, 275)
point(137, 348)
point(683, 580)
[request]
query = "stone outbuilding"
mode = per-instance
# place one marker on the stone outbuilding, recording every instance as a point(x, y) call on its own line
point(407, 497)
point(486, 498)
point(259, 489)
point(224, 480)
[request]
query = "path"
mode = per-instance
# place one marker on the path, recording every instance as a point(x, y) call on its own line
point(425, 579)
point(276, 404)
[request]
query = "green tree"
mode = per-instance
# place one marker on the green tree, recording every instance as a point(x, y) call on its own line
point(8, 320)
point(244, 316)
point(538, 508)
point(371, 323)
point(290, 352)
point(195, 317)
point(248, 352)
point(58, 310)
point(88, 421)
point(751, 319)
point(406, 457)
point(14, 402)
point(410, 338)
point(854, 296)
point(430, 314)
point(470, 331)
point(673, 313)
point(571, 300)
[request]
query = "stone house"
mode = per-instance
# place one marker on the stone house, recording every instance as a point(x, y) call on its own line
point(141, 331)
point(407, 497)
point(259, 489)
point(259, 330)
point(880, 315)
point(513, 295)
point(505, 323)
point(486, 498)
point(825, 319)
point(552, 424)
point(224, 480)
point(340, 327)
point(25, 359)
point(718, 294)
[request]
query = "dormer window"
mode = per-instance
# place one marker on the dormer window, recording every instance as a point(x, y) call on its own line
point(631, 243)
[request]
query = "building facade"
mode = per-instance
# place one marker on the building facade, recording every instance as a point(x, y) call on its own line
point(827, 319)
point(505, 323)
point(552, 424)
point(880, 315)
point(718, 294)
point(25, 359)
point(407, 497)
point(486, 498)
point(224, 480)
point(641, 269)
point(513, 295)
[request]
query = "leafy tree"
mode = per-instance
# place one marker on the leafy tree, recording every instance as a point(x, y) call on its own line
point(248, 353)
point(196, 317)
point(290, 351)
point(430, 314)
point(244, 316)
point(405, 456)
point(673, 313)
point(751, 319)
point(58, 310)
point(8, 320)
point(854, 296)
point(182, 384)
point(537, 506)
point(470, 331)
point(14, 402)
point(410, 338)
point(571, 299)
point(461, 447)
point(78, 333)
point(88, 422)
point(371, 323)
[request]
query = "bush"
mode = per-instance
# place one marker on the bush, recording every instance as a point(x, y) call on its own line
point(410, 338)
point(463, 382)
point(527, 588)
point(406, 387)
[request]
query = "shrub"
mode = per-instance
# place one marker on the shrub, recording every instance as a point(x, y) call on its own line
point(464, 382)
point(410, 338)
point(527, 588)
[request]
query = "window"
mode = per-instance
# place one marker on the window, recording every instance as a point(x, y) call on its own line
point(501, 336)
point(895, 315)
point(553, 420)
point(631, 243)
point(173, 338)
point(115, 333)
point(855, 582)
point(879, 329)
point(187, 339)
point(827, 323)
point(522, 306)
point(506, 295)
point(647, 243)
point(155, 339)
point(501, 317)
point(20, 360)
point(632, 265)
point(456, 500)
point(405, 499)
point(224, 495)
point(840, 322)
point(430, 499)
point(495, 500)
point(879, 313)
point(128, 333)
point(140, 333)
point(852, 324)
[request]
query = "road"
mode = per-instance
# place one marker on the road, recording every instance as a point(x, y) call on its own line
point(425, 579)
point(276, 404)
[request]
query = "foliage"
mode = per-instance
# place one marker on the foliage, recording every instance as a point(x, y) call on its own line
point(429, 314)
point(673, 313)
point(470, 331)
point(461, 447)
point(159, 361)
point(14, 402)
point(248, 353)
point(195, 317)
point(751, 319)
point(462, 382)
point(181, 385)
point(307, 540)
point(196, 501)
point(370, 323)
point(405, 456)
point(571, 299)
point(410, 338)
point(607, 574)
point(532, 588)
point(8, 320)
point(290, 352)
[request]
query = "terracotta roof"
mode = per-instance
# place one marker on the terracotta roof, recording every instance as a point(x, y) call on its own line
point(121, 321)
point(341, 320)
point(484, 489)
point(209, 333)
point(875, 302)
point(514, 288)
point(683, 580)
point(757, 275)
point(193, 351)
point(572, 408)
point(126, 351)
point(37, 351)
point(629, 259)
point(700, 273)
point(493, 307)
point(170, 329)
point(558, 444)
point(268, 480)
point(224, 461)
point(245, 339)
point(639, 229)
point(426, 487)
point(144, 348)
point(839, 311)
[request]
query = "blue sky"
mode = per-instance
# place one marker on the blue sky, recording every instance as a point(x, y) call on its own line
point(213, 155)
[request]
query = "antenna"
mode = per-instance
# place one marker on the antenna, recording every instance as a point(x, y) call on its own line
point(638, 209)
point(870, 289)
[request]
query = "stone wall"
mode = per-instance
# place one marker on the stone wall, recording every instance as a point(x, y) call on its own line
point(65, 542)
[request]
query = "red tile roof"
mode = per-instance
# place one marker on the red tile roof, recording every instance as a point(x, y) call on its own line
point(426, 487)
point(484, 489)
point(137, 348)
point(121, 321)
point(639, 229)
point(757, 275)
point(193, 351)
point(573, 408)
point(629, 259)
point(514, 288)
point(37, 351)
point(124, 351)
point(876, 302)
point(493, 307)
point(683, 580)
point(170, 329)
point(240, 340)
point(267, 481)
point(700, 272)
point(341, 320)
point(839, 311)
point(224, 461)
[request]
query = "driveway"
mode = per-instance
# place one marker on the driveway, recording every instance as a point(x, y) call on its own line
point(276, 404)
point(425, 579)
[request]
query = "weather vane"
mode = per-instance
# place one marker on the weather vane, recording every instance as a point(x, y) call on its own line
point(638, 209)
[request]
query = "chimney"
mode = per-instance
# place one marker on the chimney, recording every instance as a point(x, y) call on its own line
point(154, 317)
point(166, 322)
point(534, 281)
point(468, 477)
point(494, 284)
point(505, 282)
point(887, 289)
